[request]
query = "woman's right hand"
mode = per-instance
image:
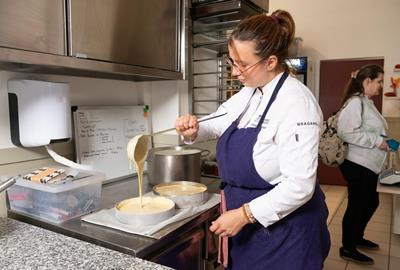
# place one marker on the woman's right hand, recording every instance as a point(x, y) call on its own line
point(187, 126)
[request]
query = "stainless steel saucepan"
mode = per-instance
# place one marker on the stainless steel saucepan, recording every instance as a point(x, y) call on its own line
point(176, 163)
point(184, 193)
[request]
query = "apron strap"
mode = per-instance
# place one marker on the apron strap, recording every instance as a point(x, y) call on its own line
point(223, 245)
point(273, 96)
point(245, 108)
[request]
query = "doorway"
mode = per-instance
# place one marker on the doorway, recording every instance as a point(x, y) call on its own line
point(334, 76)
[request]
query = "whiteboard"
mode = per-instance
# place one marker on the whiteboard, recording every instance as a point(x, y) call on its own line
point(102, 135)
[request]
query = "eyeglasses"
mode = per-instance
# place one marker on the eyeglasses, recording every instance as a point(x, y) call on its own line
point(233, 65)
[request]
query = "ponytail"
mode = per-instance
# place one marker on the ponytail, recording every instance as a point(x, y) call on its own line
point(355, 85)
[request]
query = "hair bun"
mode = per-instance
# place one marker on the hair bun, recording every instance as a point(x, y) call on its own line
point(286, 21)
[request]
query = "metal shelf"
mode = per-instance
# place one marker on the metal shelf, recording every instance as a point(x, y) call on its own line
point(205, 59)
point(214, 27)
point(220, 11)
point(209, 100)
point(219, 46)
point(206, 73)
point(221, 87)
point(212, 22)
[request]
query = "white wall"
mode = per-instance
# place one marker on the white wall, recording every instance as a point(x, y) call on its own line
point(348, 29)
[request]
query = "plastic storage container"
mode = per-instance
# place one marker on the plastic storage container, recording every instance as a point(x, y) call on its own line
point(57, 202)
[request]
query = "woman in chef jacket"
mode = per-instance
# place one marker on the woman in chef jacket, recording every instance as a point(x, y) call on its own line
point(362, 126)
point(274, 213)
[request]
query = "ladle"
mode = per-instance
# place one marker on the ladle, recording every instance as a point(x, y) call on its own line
point(199, 121)
point(139, 145)
point(138, 149)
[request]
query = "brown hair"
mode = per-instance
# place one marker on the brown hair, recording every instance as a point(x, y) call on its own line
point(355, 85)
point(271, 34)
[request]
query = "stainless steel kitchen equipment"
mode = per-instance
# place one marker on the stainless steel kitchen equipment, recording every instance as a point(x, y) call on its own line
point(145, 218)
point(210, 79)
point(176, 163)
point(190, 237)
point(4, 184)
point(184, 193)
point(120, 39)
point(33, 26)
point(124, 31)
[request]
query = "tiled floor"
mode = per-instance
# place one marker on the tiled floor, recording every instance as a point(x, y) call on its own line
point(378, 230)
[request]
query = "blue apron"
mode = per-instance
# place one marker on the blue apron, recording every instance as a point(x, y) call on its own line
point(298, 241)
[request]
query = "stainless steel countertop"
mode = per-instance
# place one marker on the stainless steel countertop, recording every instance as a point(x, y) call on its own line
point(140, 246)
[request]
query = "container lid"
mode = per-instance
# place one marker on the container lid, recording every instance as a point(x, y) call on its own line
point(83, 178)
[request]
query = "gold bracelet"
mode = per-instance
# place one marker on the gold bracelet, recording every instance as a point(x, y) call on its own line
point(248, 213)
point(245, 214)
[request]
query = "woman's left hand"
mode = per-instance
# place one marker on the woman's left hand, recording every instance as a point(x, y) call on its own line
point(229, 223)
point(384, 146)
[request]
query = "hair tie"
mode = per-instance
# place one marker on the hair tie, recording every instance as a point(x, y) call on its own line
point(274, 18)
point(354, 74)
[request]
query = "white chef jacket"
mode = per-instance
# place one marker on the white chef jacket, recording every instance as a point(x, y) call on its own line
point(286, 150)
point(362, 127)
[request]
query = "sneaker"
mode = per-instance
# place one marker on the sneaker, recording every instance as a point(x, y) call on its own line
point(364, 243)
point(355, 256)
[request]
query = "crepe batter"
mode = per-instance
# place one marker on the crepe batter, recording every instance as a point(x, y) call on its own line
point(150, 205)
point(180, 190)
point(137, 152)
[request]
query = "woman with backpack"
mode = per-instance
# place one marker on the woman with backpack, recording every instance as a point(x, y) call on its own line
point(361, 126)
point(274, 212)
